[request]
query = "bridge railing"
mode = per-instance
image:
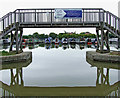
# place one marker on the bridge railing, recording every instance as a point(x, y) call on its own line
point(7, 20)
point(112, 20)
point(47, 16)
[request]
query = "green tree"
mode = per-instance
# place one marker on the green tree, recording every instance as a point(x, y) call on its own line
point(30, 36)
point(36, 35)
point(53, 35)
point(25, 37)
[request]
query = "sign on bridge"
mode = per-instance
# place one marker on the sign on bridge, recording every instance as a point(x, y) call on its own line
point(68, 13)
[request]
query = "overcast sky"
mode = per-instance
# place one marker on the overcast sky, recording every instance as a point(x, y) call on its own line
point(10, 5)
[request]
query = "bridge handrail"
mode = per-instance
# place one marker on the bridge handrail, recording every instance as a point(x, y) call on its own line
point(103, 15)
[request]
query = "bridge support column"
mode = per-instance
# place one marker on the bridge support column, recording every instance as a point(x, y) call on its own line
point(98, 40)
point(118, 42)
point(104, 40)
point(119, 31)
point(17, 46)
point(20, 41)
point(11, 42)
point(106, 36)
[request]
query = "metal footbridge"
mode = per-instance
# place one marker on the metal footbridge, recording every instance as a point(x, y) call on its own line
point(98, 18)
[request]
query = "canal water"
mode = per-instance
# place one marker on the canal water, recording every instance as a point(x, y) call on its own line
point(61, 66)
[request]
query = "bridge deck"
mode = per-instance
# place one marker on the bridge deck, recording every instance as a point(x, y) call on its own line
point(45, 18)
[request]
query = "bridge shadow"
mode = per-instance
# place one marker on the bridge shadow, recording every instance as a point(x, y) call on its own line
point(102, 88)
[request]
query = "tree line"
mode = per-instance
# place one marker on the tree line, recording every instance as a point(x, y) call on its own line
point(60, 35)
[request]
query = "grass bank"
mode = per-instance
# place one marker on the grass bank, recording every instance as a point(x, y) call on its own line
point(115, 53)
point(6, 53)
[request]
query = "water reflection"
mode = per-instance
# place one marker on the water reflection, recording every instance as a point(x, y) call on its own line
point(103, 76)
point(51, 46)
point(73, 46)
point(82, 46)
point(16, 77)
point(102, 88)
point(65, 46)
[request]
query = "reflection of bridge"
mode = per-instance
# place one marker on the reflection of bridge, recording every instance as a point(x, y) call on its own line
point(44, 18)
point(20, 90)
point(102, 88)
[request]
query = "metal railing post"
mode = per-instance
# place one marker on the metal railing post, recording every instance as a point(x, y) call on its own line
point(15, 18)
point(19, 16)
point(51, 17)
point(103, 16)
point(99, 16)
point(119, 24)
point(11, 18)
point(35, 17)
point(83, 16)
point(8, 19)
point(115, 23)
point(3, 25)
point(107, 17)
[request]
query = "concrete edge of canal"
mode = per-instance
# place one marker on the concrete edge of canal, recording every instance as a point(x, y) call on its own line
point(24, 56)
point(106, 57)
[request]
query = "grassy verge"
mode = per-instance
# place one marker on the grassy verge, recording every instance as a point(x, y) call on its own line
point(5, 53)
point(115, 53)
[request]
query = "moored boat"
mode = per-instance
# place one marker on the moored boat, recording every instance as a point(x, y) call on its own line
point(72, 41)
point(64, 41)
point(89, 41)
point(47, 41)
point(57, 41)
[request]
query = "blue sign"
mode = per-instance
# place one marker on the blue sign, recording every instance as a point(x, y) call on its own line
point(68, 13)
